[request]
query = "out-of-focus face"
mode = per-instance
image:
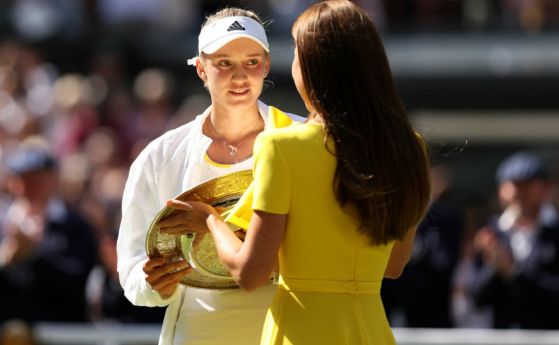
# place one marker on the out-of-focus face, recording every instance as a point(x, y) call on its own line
point(234, 75)
point(529, 195)
point(39, 185)
point(36, 186)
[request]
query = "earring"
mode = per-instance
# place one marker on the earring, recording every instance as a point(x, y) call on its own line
point(203, 75)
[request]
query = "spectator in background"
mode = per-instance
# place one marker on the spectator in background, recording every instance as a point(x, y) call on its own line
point(516, 264)
point(46, 249)
point(430, 269)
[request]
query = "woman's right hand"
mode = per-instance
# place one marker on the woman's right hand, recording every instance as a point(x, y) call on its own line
point(189, 217)
point(164, 276)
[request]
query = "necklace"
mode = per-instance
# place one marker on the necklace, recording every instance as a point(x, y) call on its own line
point(234, 148)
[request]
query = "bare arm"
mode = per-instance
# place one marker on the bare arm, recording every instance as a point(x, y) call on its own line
point(250, 262)
point(400, 255)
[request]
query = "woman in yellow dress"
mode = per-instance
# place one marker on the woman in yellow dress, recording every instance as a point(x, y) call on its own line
point(338, 197)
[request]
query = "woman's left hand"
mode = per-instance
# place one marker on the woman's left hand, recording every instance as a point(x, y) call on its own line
point(190, 218)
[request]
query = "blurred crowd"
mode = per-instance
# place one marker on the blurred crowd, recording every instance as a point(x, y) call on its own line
point(70, 31)
point(71, 124)
point(66, 143)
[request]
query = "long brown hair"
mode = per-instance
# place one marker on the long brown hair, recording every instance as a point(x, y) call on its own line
point(382, 165)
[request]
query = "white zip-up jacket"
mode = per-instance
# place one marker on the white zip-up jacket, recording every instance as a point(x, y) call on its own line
point(168, 166)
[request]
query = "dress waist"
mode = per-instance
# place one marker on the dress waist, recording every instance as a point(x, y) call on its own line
point(337, 286)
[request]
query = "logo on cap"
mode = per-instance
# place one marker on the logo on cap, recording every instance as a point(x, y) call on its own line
point(235, 26)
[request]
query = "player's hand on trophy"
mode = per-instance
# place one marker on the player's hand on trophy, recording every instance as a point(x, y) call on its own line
point(164, 276)
point(189, 217)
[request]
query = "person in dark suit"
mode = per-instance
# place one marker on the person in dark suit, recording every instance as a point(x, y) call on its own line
point(516, 267)
point(46, 248)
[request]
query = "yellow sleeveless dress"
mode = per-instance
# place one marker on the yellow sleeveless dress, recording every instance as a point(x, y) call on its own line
point(330, 274)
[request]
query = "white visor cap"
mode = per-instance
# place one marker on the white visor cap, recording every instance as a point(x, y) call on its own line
point(216, 35)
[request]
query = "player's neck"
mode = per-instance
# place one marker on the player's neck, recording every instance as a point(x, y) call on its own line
point(233, 124)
